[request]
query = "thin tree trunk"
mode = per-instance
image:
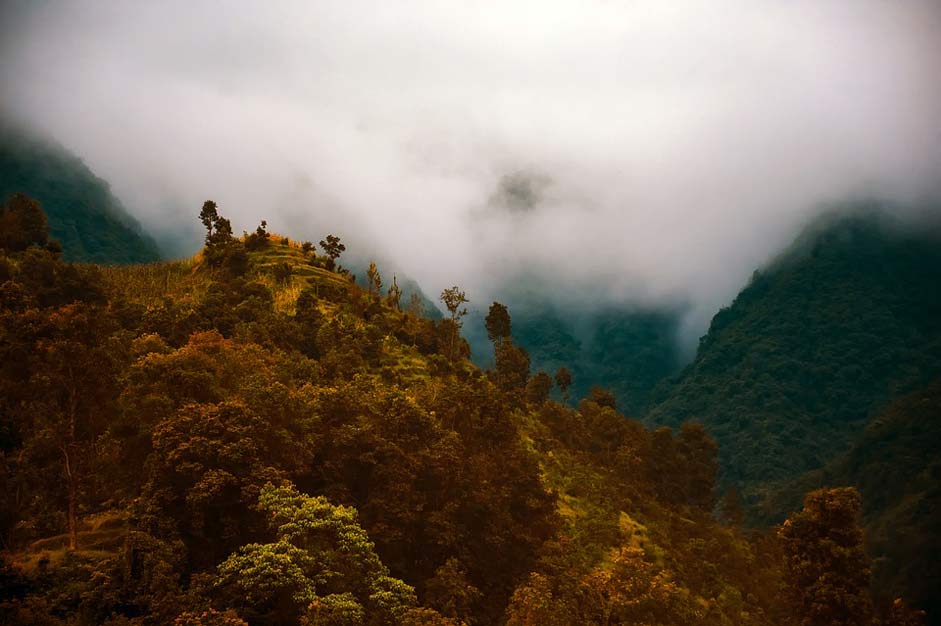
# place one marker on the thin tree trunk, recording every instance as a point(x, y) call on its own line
point(70, 477)
point(71, 471)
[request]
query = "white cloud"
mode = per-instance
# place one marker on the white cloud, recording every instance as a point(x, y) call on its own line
point(685, 143)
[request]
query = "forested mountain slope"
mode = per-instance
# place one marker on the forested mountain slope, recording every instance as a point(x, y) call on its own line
point(249, 437)
point(789, 374)
point(896, 466)
point(84, 216)
point(626, 350)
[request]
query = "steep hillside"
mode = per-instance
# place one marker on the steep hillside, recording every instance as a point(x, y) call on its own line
point(896, 466)
point(789, 374)
point(249, 437)
point(84, 216)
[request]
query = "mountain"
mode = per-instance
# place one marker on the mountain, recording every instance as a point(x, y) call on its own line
point(84, 216)
point(625, 350)
point(788, 375)
point(895, 464)
point(247, 436)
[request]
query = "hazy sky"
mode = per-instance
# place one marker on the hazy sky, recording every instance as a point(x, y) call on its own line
point(639, 150)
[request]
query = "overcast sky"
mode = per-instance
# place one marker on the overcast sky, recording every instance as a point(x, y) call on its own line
point(641, 151)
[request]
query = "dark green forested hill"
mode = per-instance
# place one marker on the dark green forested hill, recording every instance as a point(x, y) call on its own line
point(84, 216)
point(628, 351)
point(788, 375)
point(896, 465)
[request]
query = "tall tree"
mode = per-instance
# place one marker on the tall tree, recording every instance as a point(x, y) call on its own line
point(825, 565)
point(209, 215)
point(394, 295)
point(74, 380)
point(373, 279)
point(498, 322)
point(453, 299)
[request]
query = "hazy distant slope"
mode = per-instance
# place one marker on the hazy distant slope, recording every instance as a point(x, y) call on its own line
point(626, 350)
point(89, 222)
point(788, 374)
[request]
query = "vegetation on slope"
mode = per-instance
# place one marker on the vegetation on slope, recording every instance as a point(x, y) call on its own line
point(896, 466)
point(84, 216)
point(248, 436)
point(627, 351)
point(821, 341)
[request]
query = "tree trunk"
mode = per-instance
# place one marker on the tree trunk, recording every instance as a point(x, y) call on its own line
point(70, 476)
point(71, 471)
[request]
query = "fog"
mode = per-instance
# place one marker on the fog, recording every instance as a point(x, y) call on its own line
point(626, 152)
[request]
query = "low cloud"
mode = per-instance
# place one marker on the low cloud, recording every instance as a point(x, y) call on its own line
point(627, 152)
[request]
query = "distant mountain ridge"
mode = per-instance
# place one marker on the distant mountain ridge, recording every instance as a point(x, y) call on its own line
point(84, 216)
point(788, 375)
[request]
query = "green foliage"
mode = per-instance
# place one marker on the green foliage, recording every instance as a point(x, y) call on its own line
point(826, 568)
point(498, 322)
point(627, 351)
point(321, 562)
point(298, 452)
point(895, 466)
point(84, 216)
point(816, 345)
point(332, 247)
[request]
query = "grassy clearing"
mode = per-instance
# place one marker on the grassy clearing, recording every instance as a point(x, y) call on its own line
point(100, 537)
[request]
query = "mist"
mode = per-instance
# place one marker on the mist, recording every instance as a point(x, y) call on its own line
point(625, 153)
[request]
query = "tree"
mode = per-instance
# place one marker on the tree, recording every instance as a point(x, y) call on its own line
point(498, 322)
point(74, 378)
point(511, 365)
point(307, 247)
point(394, 295)
point(533, 604)
point(632, 590)
point(538, 388)
point(453, 298)
point(698, 454)
point(451, 593)
point(373, 279)
point(320, 565)
point(258, 239)
point(826, 570)
point(603, 397)
point(332, 248)
point(209, 215)
point(22, 224)
point(219, 244)
point(563, 379)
